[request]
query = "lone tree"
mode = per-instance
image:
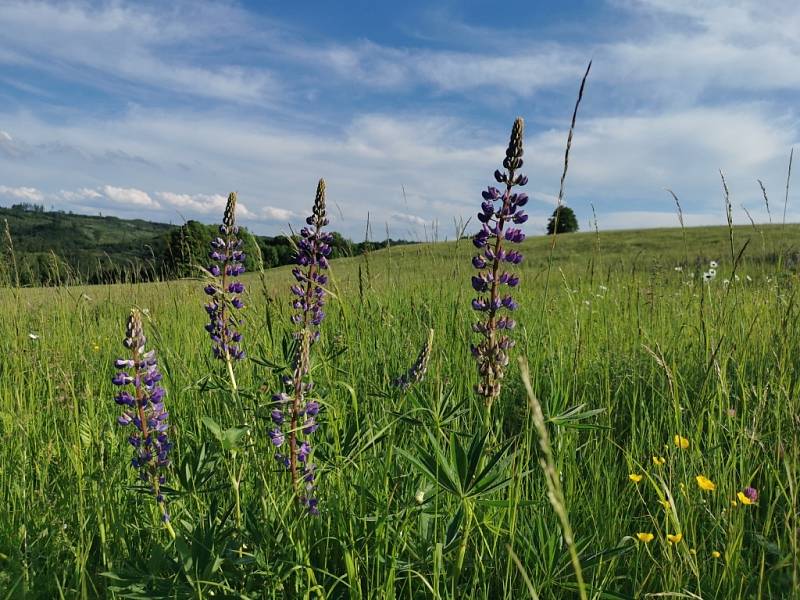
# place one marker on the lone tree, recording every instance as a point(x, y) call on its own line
point(562, 220)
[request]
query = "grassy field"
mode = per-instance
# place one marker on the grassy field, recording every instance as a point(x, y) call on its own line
point(626, 347)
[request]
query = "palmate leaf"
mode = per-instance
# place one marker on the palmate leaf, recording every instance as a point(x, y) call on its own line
point(458, 458)
point(486, 480)
point(426, 464)
point(454, 469)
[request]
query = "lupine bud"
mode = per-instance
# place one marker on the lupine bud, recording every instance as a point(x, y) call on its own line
point(490, 351)
point(146, 413)
point(314, 248)
point(226, 295)
point(417, 371)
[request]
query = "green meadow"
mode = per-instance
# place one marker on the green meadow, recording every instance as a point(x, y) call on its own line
point(624, 347)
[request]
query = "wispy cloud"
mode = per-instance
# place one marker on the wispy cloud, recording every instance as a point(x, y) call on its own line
point(27, 194)
point(187, 101)
point(107, 44)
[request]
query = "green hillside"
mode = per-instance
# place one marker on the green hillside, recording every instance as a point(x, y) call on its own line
point(51, 248)
point(56, 244)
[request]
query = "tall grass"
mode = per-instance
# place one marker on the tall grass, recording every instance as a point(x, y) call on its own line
point(619, 366)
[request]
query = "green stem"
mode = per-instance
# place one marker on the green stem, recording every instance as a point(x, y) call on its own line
point(229, 364)
point(462, 547)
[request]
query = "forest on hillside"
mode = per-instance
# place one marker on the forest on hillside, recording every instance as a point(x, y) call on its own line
point(54, 248)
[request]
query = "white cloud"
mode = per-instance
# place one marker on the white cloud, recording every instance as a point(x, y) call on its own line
point(410, 219)
point(662, 110)
point(27, 194)
point(109, 43)
point(272, 213)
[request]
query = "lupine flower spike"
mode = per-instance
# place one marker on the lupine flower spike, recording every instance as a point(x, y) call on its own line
point(227, 260)
point(143, 399)
point(295, 409)
point(417, 371)
point(498, 211)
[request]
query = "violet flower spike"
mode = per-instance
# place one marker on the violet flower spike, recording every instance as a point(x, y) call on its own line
point(225, 291)
point(293, 415)
point(498, 209)
point(144, 411)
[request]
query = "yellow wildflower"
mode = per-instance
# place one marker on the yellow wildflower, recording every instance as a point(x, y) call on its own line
point(664, 503)
point(635, 478)
point(692, 551)
point(674, 539)
point(715, 554)
point(681, 442)
point(734, 503)
point(645, 537)
point(658, 461)
point(705, 483)
point(96, 348)
point(743, 499)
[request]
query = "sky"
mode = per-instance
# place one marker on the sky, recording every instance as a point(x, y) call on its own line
point(157, 110)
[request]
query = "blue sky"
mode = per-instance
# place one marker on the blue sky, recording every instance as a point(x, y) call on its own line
point(157, 110)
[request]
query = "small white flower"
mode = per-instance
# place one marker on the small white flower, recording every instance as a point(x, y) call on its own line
point(679, 269)
point(713, 272)
point(420, 496)
point(726, 281)
point(604, 288)
point(748, 278)
point(33, 336)
point(736, 278)
point(708, 276)
point(713, 264)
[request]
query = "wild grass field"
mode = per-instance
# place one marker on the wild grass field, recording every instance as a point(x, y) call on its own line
point(626, 348)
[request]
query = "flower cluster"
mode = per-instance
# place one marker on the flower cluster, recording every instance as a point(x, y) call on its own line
point(227, 263)
point(143, 399)
point(498, 211)
point(294, 415)
point(417, 371)
point(747, 497)
point(709, 275)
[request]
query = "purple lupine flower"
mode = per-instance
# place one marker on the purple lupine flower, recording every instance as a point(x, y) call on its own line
point(226, 252)
point(145, 411)
point(308, 300)
point(417, 371)
point(498, 209)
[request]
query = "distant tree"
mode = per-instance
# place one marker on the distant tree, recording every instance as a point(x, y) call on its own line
point(562, 220)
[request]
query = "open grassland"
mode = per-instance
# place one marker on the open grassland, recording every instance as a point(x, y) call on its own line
point(625, 352)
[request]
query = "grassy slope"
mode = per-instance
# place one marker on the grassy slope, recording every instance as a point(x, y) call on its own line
point(657, 351)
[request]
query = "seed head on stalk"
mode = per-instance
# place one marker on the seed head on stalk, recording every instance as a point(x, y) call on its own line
point(500, 211)
point(225, 291)
point(294, 414)
point(143, 399)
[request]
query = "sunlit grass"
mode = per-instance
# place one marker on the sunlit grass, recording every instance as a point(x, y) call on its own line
point(626, 356)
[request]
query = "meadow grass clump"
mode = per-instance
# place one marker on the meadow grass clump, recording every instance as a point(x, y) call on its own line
point(656, 356)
